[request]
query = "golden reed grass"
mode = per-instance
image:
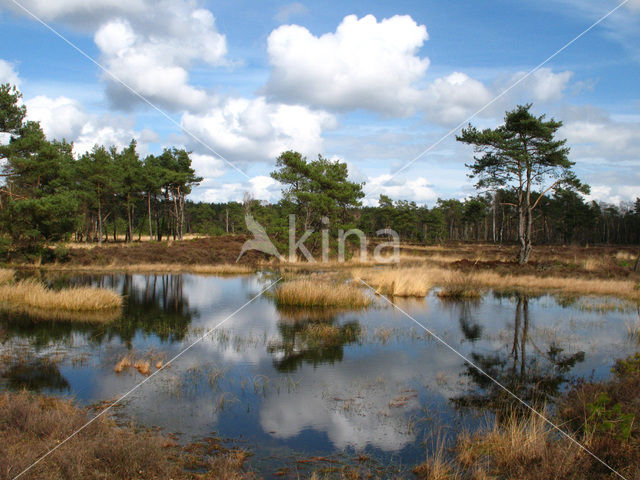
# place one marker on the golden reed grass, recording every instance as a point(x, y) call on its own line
point(32, 297)
point(318, 293)
point(417, 282)
point(220, 269)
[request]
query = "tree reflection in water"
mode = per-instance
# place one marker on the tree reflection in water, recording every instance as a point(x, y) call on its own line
point(536, 378)
point(311, 337)
point(32, 373)
point(469, 326)
point(154, 306)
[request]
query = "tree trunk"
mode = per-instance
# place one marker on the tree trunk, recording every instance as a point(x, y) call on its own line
point(175, 216)
point(149, 212)
point(99, 221)
point(129, 224)
point(525, 243)
point(180, 213)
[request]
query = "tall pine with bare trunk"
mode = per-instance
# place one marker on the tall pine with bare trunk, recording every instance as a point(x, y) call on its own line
point(522, 155)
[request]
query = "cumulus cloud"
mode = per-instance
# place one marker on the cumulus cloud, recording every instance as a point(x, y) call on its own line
point(453, 98)
point(155, 62)
point(60, 117)
point(364, 64)
point(260, 187)
point(376, 66)
point(79, 13)
point(595, 136)
point(64, 117)
point(543, 85)
point(8, 73)
point(149, 46)
point(243, 130)
point(418, 189)
point(614, 195)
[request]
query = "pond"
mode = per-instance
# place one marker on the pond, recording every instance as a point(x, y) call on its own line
point(289, 384)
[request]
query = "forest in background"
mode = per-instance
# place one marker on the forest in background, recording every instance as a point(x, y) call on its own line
point(50, 195)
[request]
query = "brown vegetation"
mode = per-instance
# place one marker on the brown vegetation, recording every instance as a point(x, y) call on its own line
point(31, 425)
point(417, 281)
point(78, 303)
point(601, 416)
point(199, 251)
point(317, 293)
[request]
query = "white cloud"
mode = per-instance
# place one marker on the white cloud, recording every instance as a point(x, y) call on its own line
point(375, 65)
point(81, 13)
point(594, 135)
point(109, 131)
point(8, 73)
point(243, 130)
point(364, 64)
point(64, 117)
point(150, 46)
point(155, 63)
point(418, 189)
point(60, 117)
point(260, 187)
point(543, 85)
point(614, 195)
point(207, 166)
point(453, 98)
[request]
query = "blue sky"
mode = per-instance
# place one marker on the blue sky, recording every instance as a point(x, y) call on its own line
point(374, 84)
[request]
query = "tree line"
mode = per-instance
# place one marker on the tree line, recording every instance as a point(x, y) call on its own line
point(49, 195)
point(563, 218)
point(528, 194)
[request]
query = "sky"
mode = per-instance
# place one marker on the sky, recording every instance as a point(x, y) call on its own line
point(382, 86)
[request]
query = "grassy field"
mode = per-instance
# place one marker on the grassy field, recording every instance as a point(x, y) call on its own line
point(457, 270)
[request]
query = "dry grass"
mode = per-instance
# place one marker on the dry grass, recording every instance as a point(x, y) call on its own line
point(318, 293)
point(33, 294)
point(520, 447)
point(417, 282)
point(633, 329)
point(625, 255)
point(221, 269)
point(459, 287)
point(31, 425)
point(7, 275)
point(122, 365)
point(78, 303)
point(143, 366)
point(322, 333)
point(404, 282)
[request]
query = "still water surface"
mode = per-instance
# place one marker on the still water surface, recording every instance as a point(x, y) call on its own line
point(289, 383)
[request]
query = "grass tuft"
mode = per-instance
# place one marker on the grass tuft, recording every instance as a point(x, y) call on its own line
point(31, 293)
point(317, 293)
point(459, 287)
point(78, 303)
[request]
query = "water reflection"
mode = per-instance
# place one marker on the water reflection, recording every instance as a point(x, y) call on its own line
point(309, 381)
point(154, 305)
point(536, 378)
point(33, 373)
point(465, 311)
point(311, 337)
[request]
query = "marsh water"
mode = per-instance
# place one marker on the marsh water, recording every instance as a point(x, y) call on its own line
point(290, 384)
